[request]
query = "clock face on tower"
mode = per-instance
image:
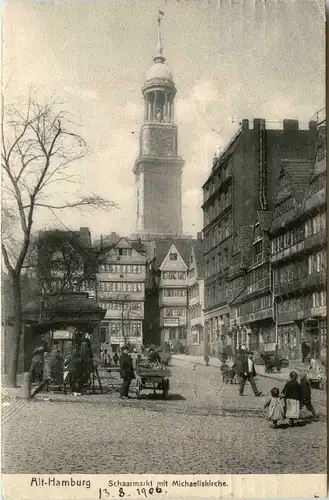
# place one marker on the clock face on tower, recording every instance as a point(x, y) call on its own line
point(158, 141)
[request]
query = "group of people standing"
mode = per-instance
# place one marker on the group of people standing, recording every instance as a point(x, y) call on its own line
point(286, 405)
point(50, 367)
point(283, 405)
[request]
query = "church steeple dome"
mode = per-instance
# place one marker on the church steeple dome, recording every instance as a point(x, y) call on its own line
point(159, 69)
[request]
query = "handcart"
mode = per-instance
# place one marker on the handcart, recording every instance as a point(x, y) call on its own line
point(153, 378)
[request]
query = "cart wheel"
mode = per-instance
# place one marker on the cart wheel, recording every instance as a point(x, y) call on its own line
point(166, 389)
point(322, 385)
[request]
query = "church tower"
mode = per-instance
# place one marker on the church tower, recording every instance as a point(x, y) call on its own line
point(158, 168)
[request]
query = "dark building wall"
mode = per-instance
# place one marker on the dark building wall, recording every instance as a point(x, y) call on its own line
point(289, 143)
point(151, 327)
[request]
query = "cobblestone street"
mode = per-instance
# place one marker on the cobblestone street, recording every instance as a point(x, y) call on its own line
point(204, 427)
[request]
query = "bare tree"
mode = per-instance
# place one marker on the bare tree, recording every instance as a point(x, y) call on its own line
point(38, 148)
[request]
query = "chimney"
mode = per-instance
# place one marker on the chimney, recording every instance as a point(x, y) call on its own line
point(290, 125)
point(258, 124)
point(245, 124)
point(214, 160)
point(85, 235)
point(312, 125)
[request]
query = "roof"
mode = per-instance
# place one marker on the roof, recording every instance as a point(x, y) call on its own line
point(138, 246)
point(299, 173)
point(162, 247)
point(265, 219)
point(198, 250)
point(159, 70)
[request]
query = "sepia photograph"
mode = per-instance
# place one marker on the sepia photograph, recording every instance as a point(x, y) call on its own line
point(164, 259)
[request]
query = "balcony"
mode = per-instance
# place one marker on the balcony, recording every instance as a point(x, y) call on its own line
point(259, 259)
point(256, 316)
point(258, 286)
point(292, 316)
point(289, 252)
point(307, 282)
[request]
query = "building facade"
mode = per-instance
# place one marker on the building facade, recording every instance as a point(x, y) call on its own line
point(195, 295)
point(299, 256)
point(121, 292)
point(242, 184)
point(167, 301)
point(158, 168)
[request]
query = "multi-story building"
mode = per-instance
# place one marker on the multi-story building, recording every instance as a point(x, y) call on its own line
point(167, 292)
point(195, 295)
point(299, 256)
point(121, 292)
point(250, 293)
point(240, 187)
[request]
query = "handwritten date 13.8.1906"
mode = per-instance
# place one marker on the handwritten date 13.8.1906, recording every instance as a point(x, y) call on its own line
point(103, 493)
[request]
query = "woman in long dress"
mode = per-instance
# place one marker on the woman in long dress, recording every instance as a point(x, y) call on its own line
point(292, 395)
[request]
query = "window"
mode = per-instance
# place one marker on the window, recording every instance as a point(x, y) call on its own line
point(174, 275)
point(226, 229)
point(258, 247)
point(319, 299)
point(317, 262)
point(127, 252)
point(173, 256)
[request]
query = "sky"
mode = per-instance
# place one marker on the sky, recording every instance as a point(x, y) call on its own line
point(230, 59)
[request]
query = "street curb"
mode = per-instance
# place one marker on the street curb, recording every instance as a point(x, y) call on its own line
point(265, 375)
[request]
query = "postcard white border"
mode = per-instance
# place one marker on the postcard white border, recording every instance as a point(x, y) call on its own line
point(99, 487)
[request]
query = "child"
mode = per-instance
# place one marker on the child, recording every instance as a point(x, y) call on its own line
point(306, 395)
point(224, 368)
point(275, 410)
point(292, 396)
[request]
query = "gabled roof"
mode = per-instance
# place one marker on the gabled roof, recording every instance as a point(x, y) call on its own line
point(299, 173)
point(162, 247)
point(197, 249)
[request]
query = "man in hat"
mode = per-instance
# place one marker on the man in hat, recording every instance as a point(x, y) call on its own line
point(249, 373)
point(126, 371)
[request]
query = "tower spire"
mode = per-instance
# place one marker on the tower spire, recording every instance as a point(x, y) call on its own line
point(159, 48)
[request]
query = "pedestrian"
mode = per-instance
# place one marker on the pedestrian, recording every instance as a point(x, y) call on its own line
point(154, 356)
point(105, 358)
point(274, 405)
point(238, 365)
point(126, 371)
point(206, 358)
point(292, 395)
point(306, 395)
point(305, 347)
point(249, 373)
point(37, 365)
point(116, 359)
